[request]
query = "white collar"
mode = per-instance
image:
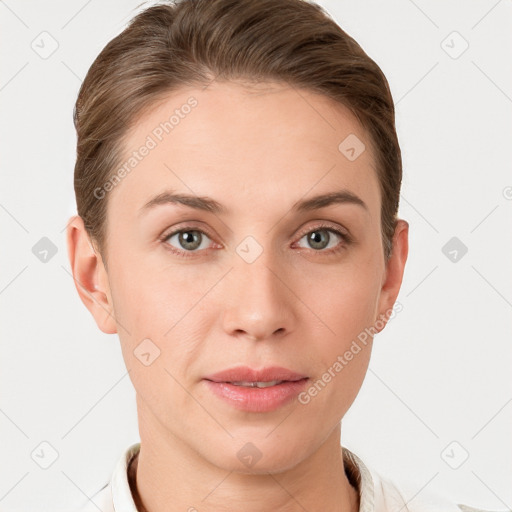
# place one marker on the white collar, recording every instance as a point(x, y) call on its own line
point(376, 494)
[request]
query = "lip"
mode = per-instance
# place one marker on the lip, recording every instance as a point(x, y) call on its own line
point(245, 373)
point(253, 399)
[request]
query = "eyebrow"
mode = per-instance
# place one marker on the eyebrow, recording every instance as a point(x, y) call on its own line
point(210, 205)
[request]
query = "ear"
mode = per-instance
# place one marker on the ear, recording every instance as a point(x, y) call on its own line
point(90, 276)
point(394, 272)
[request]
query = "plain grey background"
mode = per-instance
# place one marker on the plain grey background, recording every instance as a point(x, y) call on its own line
point(436, 405)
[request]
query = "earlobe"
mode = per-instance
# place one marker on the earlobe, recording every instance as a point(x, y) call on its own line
point(89, 275)
point(394, 272)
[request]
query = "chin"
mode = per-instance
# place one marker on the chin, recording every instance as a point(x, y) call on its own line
point(261, 455)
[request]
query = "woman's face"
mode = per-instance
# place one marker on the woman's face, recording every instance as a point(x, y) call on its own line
point(254, 281)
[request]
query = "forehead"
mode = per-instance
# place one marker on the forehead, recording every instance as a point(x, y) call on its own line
point(260, 146)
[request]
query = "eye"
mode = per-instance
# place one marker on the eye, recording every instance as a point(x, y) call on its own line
point(186, 240)
point(323, 239)
point(189, 240)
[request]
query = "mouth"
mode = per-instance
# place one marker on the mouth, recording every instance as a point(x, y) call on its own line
point(246, 376)
point(262, 384)
point(256, 390)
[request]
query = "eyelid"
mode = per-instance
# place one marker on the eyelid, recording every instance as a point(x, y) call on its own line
point(186, 227)
point(323, 224)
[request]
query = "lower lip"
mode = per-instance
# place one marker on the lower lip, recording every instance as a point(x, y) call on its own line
point(257, 399)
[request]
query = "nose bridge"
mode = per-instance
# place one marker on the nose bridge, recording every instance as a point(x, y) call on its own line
point(261, 305)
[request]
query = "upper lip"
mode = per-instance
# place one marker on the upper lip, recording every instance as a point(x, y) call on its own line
point(244, 373)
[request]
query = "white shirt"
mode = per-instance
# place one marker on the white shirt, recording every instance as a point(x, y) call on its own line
point(377, 494)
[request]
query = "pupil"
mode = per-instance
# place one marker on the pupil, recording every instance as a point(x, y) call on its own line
point(316, 239)
point(189, 239)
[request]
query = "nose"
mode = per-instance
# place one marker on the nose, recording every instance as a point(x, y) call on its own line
point(259, 301)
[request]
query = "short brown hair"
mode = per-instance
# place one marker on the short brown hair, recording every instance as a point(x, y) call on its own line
point(187, 43)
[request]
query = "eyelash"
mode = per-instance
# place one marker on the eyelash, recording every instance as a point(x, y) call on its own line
point(346, 239)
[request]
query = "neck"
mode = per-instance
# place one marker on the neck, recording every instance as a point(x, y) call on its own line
point(159, 483)
point(132, 480)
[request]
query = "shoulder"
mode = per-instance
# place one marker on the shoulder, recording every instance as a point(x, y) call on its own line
point(379, 494)
point(466, 508)
point(101, 500)
point(115, 495)
point(414, 498)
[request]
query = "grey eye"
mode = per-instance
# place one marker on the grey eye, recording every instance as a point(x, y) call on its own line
point(188, 240)
point(320, 238)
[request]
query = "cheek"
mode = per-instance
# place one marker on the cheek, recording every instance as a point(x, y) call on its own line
point(346, 305)
point(151, 299)
point(162, 305)
point(345, 301)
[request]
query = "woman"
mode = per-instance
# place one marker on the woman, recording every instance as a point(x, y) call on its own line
point(237, 182)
